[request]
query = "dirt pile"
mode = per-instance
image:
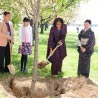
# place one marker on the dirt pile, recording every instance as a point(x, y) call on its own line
point(5, 90)
point(55, 88)
point(75, 87)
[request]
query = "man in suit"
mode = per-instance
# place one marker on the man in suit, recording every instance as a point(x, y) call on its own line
point(6, 39)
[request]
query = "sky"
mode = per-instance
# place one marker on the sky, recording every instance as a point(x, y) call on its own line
point(88, 10)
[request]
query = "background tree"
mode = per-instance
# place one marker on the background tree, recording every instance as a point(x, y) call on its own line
point(53, 8)
point(10, 5)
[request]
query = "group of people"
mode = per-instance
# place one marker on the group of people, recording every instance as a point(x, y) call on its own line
point(57, 36)
point(7, 40)
point(86, 43)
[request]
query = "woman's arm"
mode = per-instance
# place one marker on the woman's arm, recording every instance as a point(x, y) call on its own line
point(91, 42)
point(51, 43)
point(79, 38)
point(64, 32)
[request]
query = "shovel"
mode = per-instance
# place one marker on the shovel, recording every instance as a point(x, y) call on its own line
point(11, 66)
point(42, 64)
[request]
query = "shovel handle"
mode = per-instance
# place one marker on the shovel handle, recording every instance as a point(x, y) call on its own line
point(10, 52)
point(53, 51)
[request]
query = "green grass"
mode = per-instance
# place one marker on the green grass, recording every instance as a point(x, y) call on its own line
point(70, 62)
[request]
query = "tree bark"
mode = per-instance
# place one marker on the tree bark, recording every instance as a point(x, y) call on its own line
point(36, 17)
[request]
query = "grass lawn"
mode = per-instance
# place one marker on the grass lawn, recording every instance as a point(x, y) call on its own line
point(70, 62)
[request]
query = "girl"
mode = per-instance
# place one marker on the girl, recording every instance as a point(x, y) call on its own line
point(25, 42)
point(57, 36)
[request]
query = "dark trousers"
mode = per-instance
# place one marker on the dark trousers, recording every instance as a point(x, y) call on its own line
point(84, 66)
point(4, 56)
point(23, 62)
point(56, 67)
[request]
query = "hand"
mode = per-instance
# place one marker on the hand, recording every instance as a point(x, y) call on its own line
point(20, 46)
point(60, 43)
point(11, 44)
point(83, 49)
point(9, 38)
point(31, 46)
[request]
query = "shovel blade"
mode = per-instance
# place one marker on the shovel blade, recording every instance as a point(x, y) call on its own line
point(11, 69)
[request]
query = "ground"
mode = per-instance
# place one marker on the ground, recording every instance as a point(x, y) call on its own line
point(69, 65)
point(72, 87)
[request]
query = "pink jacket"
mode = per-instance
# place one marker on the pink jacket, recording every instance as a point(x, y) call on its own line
point(4, 37)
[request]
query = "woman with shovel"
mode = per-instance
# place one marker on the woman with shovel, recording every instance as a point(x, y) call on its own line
point(57, 37)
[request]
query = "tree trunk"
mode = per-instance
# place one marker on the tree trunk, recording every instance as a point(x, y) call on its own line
point(42, 29)
point(46, 26)
point(36, 17)
point(42, 26)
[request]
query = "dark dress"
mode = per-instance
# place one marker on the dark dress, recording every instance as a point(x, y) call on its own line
point(57, 58)
point(84, 58)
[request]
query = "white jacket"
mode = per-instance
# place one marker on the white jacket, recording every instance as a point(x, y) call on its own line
point(25, 35)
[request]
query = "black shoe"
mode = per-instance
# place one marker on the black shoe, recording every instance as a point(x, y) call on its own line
point(6, 70)
point(22, 70)
point(1, 72)
point(25, 70)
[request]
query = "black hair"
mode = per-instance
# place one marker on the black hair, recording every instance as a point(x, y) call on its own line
point(88, 21)
point(6, 13)
point(58, 20)
point(26, 19)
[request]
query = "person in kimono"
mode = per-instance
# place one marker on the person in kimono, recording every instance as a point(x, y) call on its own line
point(85, 48)
point(25, 43)
point(6, 39)
point(57, 36)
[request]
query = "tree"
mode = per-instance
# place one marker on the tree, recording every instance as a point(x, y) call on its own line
point(36, 10)
point(9, 5)
point(53, 8)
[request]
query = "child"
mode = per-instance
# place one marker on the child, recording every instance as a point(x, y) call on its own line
point(25, 42)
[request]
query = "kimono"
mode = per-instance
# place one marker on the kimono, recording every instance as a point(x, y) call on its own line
point(57, 58)
point(86, 40)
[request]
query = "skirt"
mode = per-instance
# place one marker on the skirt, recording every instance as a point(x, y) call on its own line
point(25, 49)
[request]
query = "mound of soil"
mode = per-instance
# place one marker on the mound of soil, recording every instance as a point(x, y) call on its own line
point(5, 90)
point(75, 87)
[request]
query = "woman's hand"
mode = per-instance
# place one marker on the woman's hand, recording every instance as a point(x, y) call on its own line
point(60, 43)
point(20, 46)
point(83, 49)
point(31, 46)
